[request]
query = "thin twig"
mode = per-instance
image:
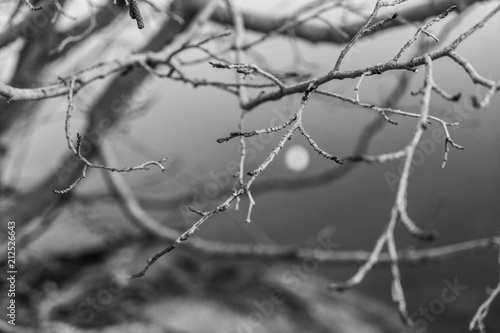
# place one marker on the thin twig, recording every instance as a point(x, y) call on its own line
point(278, 128)
point(244, 188)
point(398, 209)
point(476, 78)
point(129, 203)
point(423, 29)
point(397, 291)
point(317, 149)
point(77, 150)
point(247, 69)
point(481, 313)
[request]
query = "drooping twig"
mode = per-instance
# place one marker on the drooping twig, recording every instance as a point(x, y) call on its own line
point(398, 210)
point(401, 199)
point(478, 319)
point(129, 203)
point(77, 150)
point(476, 78)
point(318, 149)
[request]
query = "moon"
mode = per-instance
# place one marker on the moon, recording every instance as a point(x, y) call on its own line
point(296, 158)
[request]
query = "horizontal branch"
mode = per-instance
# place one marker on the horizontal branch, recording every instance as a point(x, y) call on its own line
point(105, 69)
point(314, 32)
point(333, 257)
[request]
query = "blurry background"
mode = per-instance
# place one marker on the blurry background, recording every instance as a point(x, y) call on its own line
point(183, 123)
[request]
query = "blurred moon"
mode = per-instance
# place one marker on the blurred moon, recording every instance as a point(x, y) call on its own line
point(297, 158)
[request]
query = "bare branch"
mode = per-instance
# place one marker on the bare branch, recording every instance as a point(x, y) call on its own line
point(244, 188)
point(129, 203)
point(478, 319)
point(316, 148)
point(423, 29)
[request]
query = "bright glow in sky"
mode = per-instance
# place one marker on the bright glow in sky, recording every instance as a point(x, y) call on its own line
point(296, 158)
